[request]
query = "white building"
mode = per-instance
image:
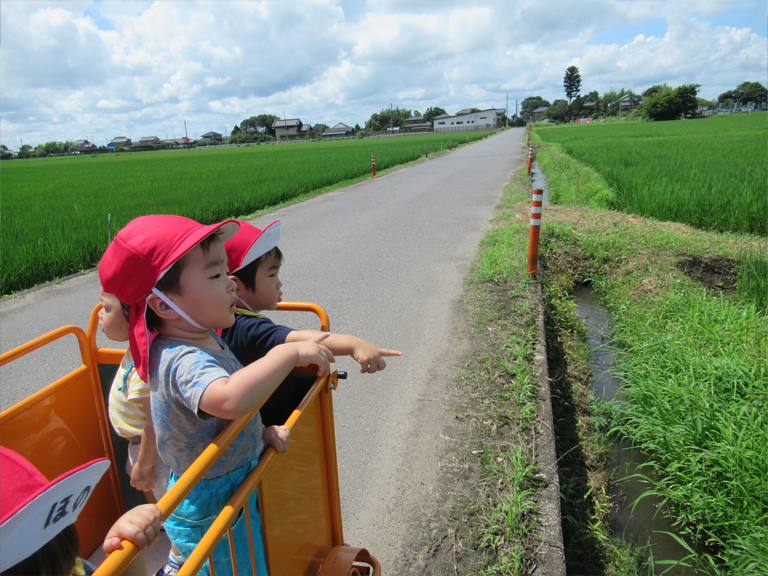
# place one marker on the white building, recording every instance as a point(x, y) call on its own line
point(483, 120)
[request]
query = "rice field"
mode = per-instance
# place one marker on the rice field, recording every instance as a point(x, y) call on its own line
point(54, 210)
point(710, 173)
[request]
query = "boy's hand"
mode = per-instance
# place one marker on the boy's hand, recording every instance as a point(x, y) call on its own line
point(143, 477)
point(312, 353)
point(141, 525)
point(277, 436)
point(370, 357)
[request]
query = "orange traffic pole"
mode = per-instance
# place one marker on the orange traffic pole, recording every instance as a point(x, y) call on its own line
point(467, 140)
point(426, 154)
point(530, 159)
point(533, 238)
point(449, 146)
point(527, 139)
point(373, 165)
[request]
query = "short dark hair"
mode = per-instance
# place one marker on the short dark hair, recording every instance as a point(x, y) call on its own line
point(53, 559)
point(247, 274)
point(170, 283)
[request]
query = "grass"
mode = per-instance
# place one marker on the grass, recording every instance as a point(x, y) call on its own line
point(54, 210)
point(710, 173)
point(694, 360)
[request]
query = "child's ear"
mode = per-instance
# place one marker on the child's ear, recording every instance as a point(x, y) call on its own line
point(160, 308)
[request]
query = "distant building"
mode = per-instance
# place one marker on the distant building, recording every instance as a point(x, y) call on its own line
point(213, 136)
point(416, 124)
point(338, 131)
point(184, 141)
point(149, 141)
point(291, 129)
point(538, 113)
point(466, 121)
point(120, 142)
point(80, 145)
point(627, 102)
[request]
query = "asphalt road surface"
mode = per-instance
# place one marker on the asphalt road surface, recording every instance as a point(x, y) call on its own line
point(386, 258)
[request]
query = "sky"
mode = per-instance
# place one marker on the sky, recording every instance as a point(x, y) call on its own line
point(100, 69)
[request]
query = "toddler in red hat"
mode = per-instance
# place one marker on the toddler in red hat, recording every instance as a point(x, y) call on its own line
point(173, 273)
point(37, 518)
point(254, 265)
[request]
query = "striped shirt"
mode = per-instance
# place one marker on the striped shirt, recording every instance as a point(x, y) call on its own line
point(126, 411)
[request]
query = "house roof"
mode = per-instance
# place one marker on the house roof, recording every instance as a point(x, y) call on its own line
point(120, 139)
point(211, 134)
point(288, 123)
point(415, 119)
point(442, 116)
point(82, 142)
point(465, 111)
point(340, 128)
point(541, 109)
point(419, 125)
point(184, 140)
point(149, 138)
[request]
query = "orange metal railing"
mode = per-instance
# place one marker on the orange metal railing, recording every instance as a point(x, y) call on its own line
point(299, 497)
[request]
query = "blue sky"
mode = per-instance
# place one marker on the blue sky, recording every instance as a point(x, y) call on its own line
point(82, 69)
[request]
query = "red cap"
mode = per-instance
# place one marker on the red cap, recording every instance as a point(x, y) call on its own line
point(249, 243)
point(33, 510)
point(138, 257)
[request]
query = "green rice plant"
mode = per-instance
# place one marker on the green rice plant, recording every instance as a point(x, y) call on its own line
point(708, 173)
point(54, 210)
point(752, 271)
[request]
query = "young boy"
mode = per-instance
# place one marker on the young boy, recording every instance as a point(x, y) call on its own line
point(254, 265)
point(173, 272)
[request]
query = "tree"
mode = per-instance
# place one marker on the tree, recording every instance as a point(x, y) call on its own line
point(572, 82)
point(751, 92)
point(671, 104)
point(558, 111)
point(429, 115)
point(380, 121)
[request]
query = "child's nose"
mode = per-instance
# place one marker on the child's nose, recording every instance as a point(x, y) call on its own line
point(232, 285)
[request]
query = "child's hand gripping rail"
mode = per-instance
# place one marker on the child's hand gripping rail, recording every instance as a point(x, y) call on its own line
point(336, 558)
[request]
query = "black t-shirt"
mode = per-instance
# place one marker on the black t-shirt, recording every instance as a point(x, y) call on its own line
point(250, 338)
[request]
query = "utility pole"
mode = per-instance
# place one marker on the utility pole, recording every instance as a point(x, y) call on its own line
point(506, 112)
point(186, 134)
point(391, 119)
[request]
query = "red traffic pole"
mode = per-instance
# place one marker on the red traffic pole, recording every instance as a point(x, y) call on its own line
point(533, 238)
point(426, 154)
point(530, 159)
point(373, 165)
point(449, 146)
point(467, 140)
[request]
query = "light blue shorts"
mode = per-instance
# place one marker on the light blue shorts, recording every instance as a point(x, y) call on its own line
point(191, 520)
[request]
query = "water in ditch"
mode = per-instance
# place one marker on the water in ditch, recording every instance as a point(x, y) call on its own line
point(646, 522)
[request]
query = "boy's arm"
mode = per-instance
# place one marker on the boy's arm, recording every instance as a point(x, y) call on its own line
point(140, 525)
point(250, 387)
point(142, 475)
point(370, 357)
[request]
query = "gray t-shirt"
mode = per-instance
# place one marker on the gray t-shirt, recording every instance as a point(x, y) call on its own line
point(179, 373)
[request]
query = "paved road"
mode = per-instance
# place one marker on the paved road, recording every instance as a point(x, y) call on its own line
point(386, 258)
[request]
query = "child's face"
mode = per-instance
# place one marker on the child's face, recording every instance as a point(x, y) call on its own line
point(112, 319)
point(267, 293)
point(207, 293)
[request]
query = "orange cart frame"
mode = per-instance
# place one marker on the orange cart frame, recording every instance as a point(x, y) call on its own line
point(299, 496)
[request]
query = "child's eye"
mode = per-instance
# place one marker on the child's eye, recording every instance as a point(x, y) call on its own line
point(215, 276)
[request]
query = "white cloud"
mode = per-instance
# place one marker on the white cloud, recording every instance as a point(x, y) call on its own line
point(136, 68)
